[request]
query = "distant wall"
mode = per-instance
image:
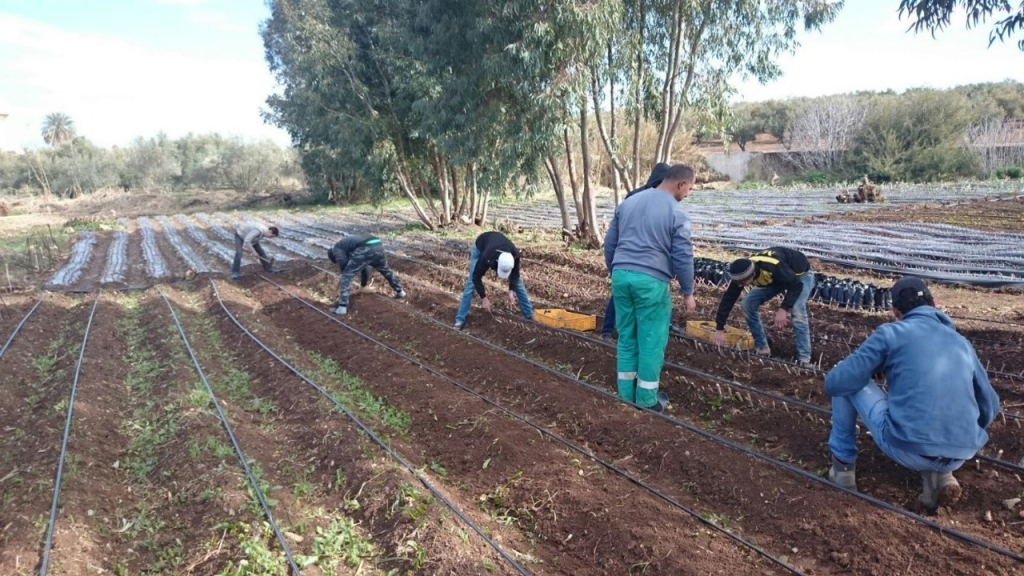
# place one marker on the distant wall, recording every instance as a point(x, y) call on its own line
point(738, 166)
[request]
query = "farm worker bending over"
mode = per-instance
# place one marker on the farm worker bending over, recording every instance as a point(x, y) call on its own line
point(772, 272)
point(657, 173)
point(648, 243)
point(493, 251)
point(939, 399)
point(251, 233)
point(356, 254)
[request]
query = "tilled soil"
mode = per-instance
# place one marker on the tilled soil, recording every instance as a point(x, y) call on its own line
point(835, 332)
point(826, 545)
point(93, 493)
point(37, 372)
point(302, 440)
point(576, 517)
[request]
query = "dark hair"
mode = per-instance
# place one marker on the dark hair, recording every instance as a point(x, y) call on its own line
point(908, 298)
point(679, 173)
point(274, 230)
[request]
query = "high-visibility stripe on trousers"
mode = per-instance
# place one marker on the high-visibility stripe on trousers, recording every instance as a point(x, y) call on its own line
point(643, 312)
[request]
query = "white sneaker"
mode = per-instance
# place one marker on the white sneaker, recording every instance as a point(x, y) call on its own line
point(458, 325)
point(341, 310)
point(400, 294)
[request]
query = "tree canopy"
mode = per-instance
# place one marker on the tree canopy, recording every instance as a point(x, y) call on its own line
point(935, 15)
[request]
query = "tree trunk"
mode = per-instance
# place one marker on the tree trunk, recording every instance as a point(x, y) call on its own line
point(474, 202)
point(692, 51)
point(592, 234)
point(572, 179)
point(442, 187)
point(639, 81)
point(458, 200)
point(668, 84)
point(616, 173)
point(556, 183)
point(483, 211)
point(609, 144)
point(478, 202)
point(406, 185)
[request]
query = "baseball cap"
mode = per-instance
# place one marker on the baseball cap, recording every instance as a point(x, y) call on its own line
point(907, 289)
point(506, 262)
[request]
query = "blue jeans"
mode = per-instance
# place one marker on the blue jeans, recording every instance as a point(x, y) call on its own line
point(758, 296)
point(873, 406)
point(467, 293)
point(609, 318)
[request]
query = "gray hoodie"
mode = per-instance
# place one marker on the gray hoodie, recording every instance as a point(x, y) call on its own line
point(651, 234)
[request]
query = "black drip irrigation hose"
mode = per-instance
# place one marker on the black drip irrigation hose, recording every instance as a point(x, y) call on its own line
point(17, 328)
point(373, 436)
point(234, 441)
point(563, 441)
point(956, 534)
point(48, 541)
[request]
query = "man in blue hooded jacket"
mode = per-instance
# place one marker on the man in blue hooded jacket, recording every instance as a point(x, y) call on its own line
point(939, 399)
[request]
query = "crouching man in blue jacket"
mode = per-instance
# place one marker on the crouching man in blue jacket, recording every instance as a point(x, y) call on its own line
point(938, 405)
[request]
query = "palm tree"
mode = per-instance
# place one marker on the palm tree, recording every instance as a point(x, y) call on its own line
point(58, 128)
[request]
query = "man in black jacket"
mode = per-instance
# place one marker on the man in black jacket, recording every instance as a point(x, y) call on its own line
point(493, 251)
point(653, 181)
point(356, 254)
point(772, 272)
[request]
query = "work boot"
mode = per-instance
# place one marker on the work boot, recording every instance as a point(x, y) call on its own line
point(844, 475)
point(662, 404)
point(939, 489)
point(341, 310)
point(400, 294)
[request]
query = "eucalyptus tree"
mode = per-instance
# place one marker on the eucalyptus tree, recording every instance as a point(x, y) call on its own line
point(677, 59)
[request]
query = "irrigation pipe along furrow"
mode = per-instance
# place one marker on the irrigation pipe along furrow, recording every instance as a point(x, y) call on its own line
point(811, 407)
point(802, 404)
point(373, 436)
point(48, 542)
point(563, 441)
point(743, 449)
point(683, 337)
point(234, 441)
point(20, 324)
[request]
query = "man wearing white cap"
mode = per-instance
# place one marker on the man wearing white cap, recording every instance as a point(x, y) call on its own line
point(493, 251)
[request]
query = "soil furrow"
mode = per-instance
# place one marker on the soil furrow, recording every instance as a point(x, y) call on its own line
point(521, 479)
point(37, 370)
point(784, 436)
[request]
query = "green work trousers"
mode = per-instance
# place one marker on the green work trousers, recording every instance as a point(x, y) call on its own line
point(643, 312)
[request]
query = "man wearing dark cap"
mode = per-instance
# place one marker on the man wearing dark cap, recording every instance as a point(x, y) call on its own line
point(771, 272)
point(939, 399)
point(653, 181)
point(647, 245)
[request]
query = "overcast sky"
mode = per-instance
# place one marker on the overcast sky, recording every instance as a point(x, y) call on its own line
point(127, 68)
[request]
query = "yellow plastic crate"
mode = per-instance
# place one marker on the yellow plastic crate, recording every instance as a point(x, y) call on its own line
point(564, 319)
point(734, 337)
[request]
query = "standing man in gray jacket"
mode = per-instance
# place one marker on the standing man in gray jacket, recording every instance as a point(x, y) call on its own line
point(251, 232)
point(648, 244)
